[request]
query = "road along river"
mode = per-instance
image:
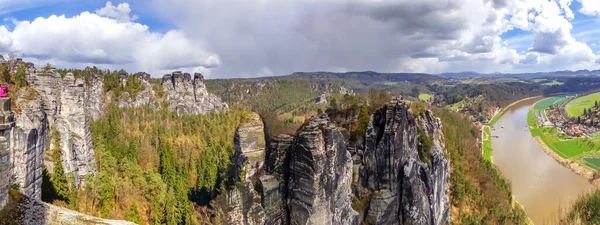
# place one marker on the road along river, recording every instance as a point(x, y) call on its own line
point(539, 183)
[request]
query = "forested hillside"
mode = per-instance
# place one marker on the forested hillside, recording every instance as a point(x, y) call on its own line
point(155, 167)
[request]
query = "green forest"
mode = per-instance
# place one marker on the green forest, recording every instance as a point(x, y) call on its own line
point(156, 167)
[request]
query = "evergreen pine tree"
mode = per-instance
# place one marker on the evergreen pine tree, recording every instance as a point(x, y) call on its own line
point(58, 177)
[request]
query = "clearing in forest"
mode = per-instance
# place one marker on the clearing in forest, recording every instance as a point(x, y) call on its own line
point(425, 97)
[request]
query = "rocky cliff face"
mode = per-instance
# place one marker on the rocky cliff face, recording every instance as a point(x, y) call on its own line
point(249, 142)
point(406, 188)
point(28, 143)
point(320, 176)
point(69, 107)
point(145, 97)
point(397, 174)
point(69, 104)
point(6, 125)
point(244, 200)
point(72, 123)
point(93, 97)
point(308, 178)
point(187, 95)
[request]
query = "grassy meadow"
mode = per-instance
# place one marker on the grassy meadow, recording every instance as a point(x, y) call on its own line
point(576, 106)
point(560, 143)
point(554, 82)
point(541, 105)
point(425, 97)
point(487, 143)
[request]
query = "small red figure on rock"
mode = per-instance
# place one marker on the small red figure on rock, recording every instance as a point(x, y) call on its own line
point(3, 90)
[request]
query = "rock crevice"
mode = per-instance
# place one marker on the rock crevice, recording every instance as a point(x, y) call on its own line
point(406, 188)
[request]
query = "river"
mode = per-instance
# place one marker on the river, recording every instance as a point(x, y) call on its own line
point(539, 183)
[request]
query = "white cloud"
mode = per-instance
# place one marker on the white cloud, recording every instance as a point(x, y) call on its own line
point(386, 36)
point(240, 38)
point(120, 12)
point(89, 38)
point(590, 7)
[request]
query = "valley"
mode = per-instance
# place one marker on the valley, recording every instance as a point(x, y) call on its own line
point(184, 150)
point(539, 182)
point(361, 112)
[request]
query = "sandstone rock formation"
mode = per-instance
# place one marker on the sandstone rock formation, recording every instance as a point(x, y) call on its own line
point(244, 200)
point(94, 103)
point(273, 200)
point(399, 172)
point(72, 123)
point(65, 102)
point(189, 96)
point(249, 142)
point(144, 97)
point(274, 184)
point(276, 162)
point(29, 143)
point(405, 188)
point(320, 176)
point(6, 124)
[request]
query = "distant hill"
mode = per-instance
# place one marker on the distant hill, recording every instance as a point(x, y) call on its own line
point(367, 76)
point(564, 73)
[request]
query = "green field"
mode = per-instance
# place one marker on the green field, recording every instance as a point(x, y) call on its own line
point(559, 143)
point(554, 82)
point(576, 106)
point(487, 144)
point(458, 104)
point(425, 97)
point(541, 105)
point(592, 163)
point(565, 148)
point(538, 80)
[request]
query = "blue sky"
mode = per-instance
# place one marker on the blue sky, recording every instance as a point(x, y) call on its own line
point(69, 8)
point(240, 38)
point(585, 29)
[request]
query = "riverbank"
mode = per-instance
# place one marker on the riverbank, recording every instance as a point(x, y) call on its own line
point(577, 168)
point(486, 137)
point(516, 204)
point(486, 146)
point(499, 114)
point(574, 166)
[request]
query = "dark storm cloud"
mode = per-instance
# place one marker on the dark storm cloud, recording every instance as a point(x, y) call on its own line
point(280, 37)
point(548, 43)
point(427, 19)
point(498, 4)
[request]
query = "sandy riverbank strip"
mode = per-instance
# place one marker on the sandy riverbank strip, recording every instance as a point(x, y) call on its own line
point(574, 166)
